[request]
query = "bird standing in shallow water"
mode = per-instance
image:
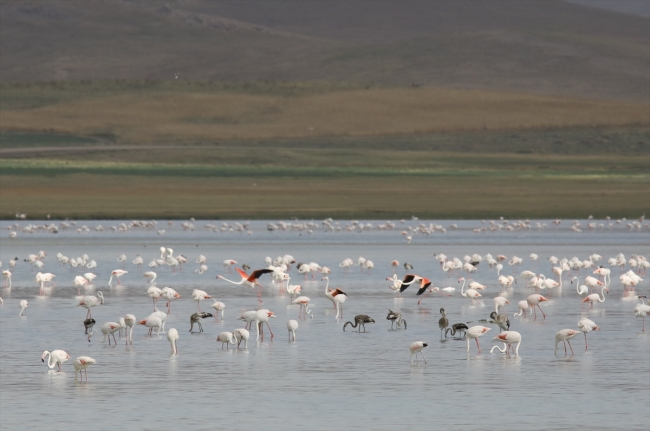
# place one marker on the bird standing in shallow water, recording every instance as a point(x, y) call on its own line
point(443, 323)
point(395, 318)
point(56, 357)
point(508, 338)
point(475, 332)
point(197, 318)
point(586, 326)
point(81, 364)
point(172, 336)
point(565, 335)
point(292, 326)
point(415, 348)
point(360, 320)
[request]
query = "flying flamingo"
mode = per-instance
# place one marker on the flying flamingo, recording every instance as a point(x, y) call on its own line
point(108, 329)
point(534, 300)
point(292, 326)
point(250, 281)
point(57, 357)
point(262, 316)
point(565, 335)
point(170, 295)
point(89, 302)
point(595, 297)
point(415, 348)
point(82, 363)
point(198, 296)
point(430, 290)
point(586, 326)
point(412, 278)
point(117, 274)
point(226, 338)
point(241, 334)
point(172, 337)
point(508, 338)
point(475, 332)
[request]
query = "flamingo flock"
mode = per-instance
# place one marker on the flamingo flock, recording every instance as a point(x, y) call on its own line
point(587, 275)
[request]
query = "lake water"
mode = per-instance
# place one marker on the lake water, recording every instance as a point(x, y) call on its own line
point(327, 379)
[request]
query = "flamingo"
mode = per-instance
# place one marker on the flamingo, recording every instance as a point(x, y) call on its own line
point(587, 326)
point(82, 363)
point(508, 338)
point(248, 317)
point(170, 295)
point(446, 291)
point(226, 338)
point(523, 306)
point(79, 282)
point(151, 276)
point(56, 357)
point(218, 308)
point(303, 302)
point(6, 274)
point(151, 322)
point(397, 283)
point(412, 278)
point(415, 348)
point(641, 310)
point(89, 302)
point(172, 337)
point(197, 318)
point(534, 300)
point(472, 294)
point(250, 281)
point(227, 263)
point(582, 289)
point(394, 264)
point(595, 297)
point(162, 316)
point(592, 282)
point(88, 325)
point(241, 334)
point(154, 293)
point(262, 316)
point(337, 296)
point(108, 329)
point(360, 320)
point(198, 296)
point(129, 321)
point(90, 277)
point(604, 273)
point(565, 335)
point(117, 273)
point(506, 281)
point(443, 323)
point(500, 302)
point(475, 332)
point(292, 326)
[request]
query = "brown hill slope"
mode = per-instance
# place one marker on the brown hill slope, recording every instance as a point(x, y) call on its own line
point(548, 47)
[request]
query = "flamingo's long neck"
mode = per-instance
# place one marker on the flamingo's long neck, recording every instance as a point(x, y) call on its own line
point(50, 364)
point(505, 347)
point(462, 292)
point(233, 282)
point(602, 292)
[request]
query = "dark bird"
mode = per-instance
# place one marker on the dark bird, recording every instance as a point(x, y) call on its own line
point(245, 267)
point(395, 318)
point(457, 327)
point(501, 320)
point(360, 320)
point(443, 323)
point(407, 266)
point(197, 318)
point(88, 324)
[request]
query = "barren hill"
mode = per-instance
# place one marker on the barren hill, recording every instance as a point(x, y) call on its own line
point(550, 47)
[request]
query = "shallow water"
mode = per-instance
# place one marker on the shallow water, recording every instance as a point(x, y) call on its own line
point(328, 378)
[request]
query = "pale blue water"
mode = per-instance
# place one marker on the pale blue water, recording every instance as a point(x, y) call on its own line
point(328, 379)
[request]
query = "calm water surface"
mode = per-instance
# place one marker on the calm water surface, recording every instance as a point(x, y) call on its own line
point(328, 379)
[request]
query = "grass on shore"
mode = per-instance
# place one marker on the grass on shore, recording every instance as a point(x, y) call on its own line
point(158, 112)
